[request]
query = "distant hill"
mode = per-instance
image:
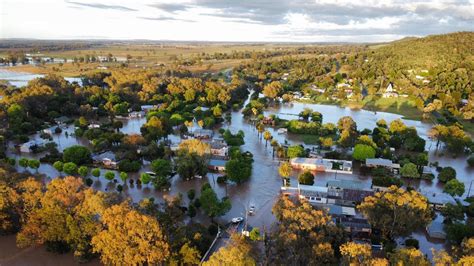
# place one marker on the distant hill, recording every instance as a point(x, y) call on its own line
point(429, 52)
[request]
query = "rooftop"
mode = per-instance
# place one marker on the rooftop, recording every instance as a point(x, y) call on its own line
point(313, 188)
point(348, 184)
point(217, 162)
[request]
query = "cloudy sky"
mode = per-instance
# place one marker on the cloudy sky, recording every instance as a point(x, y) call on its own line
point(234, 20)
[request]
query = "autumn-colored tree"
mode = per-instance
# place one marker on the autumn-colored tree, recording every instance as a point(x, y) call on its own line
point(273, 89)
point(130, 238)
point(267, 136)
point(355, 253)
point(194, 146)
point(396, 211)
point(9, 216)
point(237, 252)
point(301, 230)
point(409, 256)
point(285, 171)
point(48, 221)
point(189, 255)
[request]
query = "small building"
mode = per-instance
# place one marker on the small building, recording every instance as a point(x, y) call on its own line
point(107, 159)
point(390, 92)
point(438, 200)
point(359, 228)
point(322, 165)
point(93, 126)
point(203, 133)
point(340, 211)
point(136, 114)
point(219, 149)
point(201, 108)
point(380, 162)
point(217, 165)
point(27, 146)
point(146, 108)
point(436, 230)
point(314, 194)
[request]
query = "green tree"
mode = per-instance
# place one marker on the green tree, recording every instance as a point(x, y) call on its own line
point(77, 154)
point(446, 174)
point(70, 168)
point(23, 162)
point(211, 205)
point(410, 170)
point(295, 151)
point(123, 177)
point(306, 178)
point(58, 165)
point(109, 175)
point(83, 171)
point(239, 169)
point(145, 178)
point(95, 172)
point(34, 164)
point(362, 152)
point(454, 188)
point(161, 167)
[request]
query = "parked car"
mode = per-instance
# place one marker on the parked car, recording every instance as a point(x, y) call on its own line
point(237, 220)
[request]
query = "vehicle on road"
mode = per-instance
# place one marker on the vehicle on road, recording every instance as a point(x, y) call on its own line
point(237, 220)
point(252, 209)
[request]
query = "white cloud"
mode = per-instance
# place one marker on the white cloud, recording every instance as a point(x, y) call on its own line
point(231, 20)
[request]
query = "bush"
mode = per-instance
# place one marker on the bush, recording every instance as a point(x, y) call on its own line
point(470, 160)
point(411, 242)
point(129, 166)
point(89, 181)
point(446, 174)
point(222, 179)
point(306, 178)
point(191, 194)
point(386, 181)
point(362, 152)
point(70, 168)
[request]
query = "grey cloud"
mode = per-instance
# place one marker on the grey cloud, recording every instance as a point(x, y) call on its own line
point(171, 8)
point(100, 6)
point(165, 18)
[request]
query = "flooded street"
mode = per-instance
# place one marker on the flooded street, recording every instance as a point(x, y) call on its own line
point(264, 186)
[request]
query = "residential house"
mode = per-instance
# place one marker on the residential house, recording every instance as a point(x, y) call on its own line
point(322, 165)
point(359, 228)
point(379, 162)
point(438, 200)
point(107, 159)
point(219, 149)
point(390, 92)
point(338, 211)
point(347, 192)
point(314, 194)
point(203, 133)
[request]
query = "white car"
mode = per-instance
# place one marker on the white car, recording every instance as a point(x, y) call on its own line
point(252, 210)
point(237, 220)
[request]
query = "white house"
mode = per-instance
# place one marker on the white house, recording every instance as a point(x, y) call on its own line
point(390, 92)
point(219, 149)
point(322, 165)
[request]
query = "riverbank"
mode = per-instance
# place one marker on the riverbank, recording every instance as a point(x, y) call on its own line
point(405, 107)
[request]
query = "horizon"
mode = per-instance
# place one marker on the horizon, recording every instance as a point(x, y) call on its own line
point(228, 21)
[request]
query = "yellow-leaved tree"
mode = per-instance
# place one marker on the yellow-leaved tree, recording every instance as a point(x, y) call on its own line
point(130, 238)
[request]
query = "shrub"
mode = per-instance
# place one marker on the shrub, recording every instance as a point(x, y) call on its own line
point(306, 178)
point(129, 166)
point(222, 179)
point(411, 242)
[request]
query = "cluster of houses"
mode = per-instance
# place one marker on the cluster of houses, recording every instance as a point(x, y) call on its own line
point(339, 198)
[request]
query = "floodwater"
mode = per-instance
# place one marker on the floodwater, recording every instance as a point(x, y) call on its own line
point(20, 79)
point(263, 188)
